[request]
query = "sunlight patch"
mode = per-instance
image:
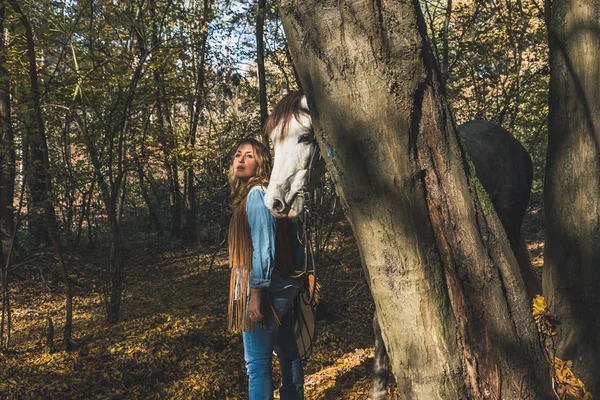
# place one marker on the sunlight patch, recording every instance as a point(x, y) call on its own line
point(326, 378)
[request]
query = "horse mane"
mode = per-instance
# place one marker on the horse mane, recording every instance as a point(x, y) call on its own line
point(289, 106)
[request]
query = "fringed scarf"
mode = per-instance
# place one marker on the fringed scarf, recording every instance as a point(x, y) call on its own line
point(240, 261)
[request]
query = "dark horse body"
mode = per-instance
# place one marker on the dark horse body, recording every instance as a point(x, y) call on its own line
point(504, 169)
point(501, 163)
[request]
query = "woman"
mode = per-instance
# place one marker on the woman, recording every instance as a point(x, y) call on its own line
point(263, 255)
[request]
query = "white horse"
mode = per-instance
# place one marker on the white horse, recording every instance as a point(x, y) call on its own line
point(296, 153)
point(501, 163)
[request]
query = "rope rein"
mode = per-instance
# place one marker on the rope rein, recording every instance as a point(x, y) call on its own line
point(309, 259)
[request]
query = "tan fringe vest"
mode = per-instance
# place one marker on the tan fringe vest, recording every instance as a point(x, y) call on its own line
point(240, 261)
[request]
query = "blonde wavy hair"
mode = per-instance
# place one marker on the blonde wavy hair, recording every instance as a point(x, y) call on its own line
point(262, 156)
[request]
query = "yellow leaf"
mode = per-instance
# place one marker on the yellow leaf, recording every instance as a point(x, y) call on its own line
point(539, 306)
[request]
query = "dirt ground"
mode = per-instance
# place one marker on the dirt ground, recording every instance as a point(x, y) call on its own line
point(171, 341)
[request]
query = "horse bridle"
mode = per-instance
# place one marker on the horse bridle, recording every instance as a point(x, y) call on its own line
point(309, 257)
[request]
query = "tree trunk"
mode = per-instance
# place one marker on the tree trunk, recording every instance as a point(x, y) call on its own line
point(70, 191)
point(37, 151)
point(572, 185)
point(448, 293)
point(110, 191)
point(152, 211)
point(189, 217)
point(86, 203)
point(41, 176)
point(7, 152)
point(116, 269)
point(166, 137)
point(121, 199)
point(260, 66)
point(166, 134)
point(7, 180)
point(445, 53)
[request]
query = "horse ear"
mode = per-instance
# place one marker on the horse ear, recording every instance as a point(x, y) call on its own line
point(304, 103)
point(284, 90)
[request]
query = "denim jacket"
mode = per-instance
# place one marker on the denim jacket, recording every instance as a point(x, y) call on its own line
point(263, 226)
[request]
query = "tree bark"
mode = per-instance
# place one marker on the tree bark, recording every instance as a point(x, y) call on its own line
point(7, 181)
point(448, 293)
point(260, 66)
point(572, 185)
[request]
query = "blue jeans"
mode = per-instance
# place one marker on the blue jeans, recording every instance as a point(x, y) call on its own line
point(260, 344)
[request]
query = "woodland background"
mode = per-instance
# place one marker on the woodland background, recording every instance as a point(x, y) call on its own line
point(118, 121)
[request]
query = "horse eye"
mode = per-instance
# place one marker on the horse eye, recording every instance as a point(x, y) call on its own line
point(304, 139)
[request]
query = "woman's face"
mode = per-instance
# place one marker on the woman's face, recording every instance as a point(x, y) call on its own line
point(244, 163)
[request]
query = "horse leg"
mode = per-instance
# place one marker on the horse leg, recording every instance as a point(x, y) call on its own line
point(511, 211)
point(380, 365)
point(532, 283)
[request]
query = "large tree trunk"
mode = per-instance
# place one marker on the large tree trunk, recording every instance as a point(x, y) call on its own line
point(572, 191)
point(448, 293)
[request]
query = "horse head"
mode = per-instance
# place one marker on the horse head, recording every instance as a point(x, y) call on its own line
point(298, 163)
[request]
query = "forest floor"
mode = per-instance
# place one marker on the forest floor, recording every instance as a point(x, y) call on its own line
point(171, 341)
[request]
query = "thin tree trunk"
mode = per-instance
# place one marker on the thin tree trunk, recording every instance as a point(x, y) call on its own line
point(112, 185)
point(116, 280)
point(70, 192)
point(7, 179)
point(445, 40)
point(190, 220)
point(260, 65)
point(121, 200)
point(39, 152)
point(168, 146)
point(85, 210)
point(152, 212)
point(7, 155)
point(572, 185)
point(166, 135)
point(6, 312)
point(448, 293)
point(89, 227)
